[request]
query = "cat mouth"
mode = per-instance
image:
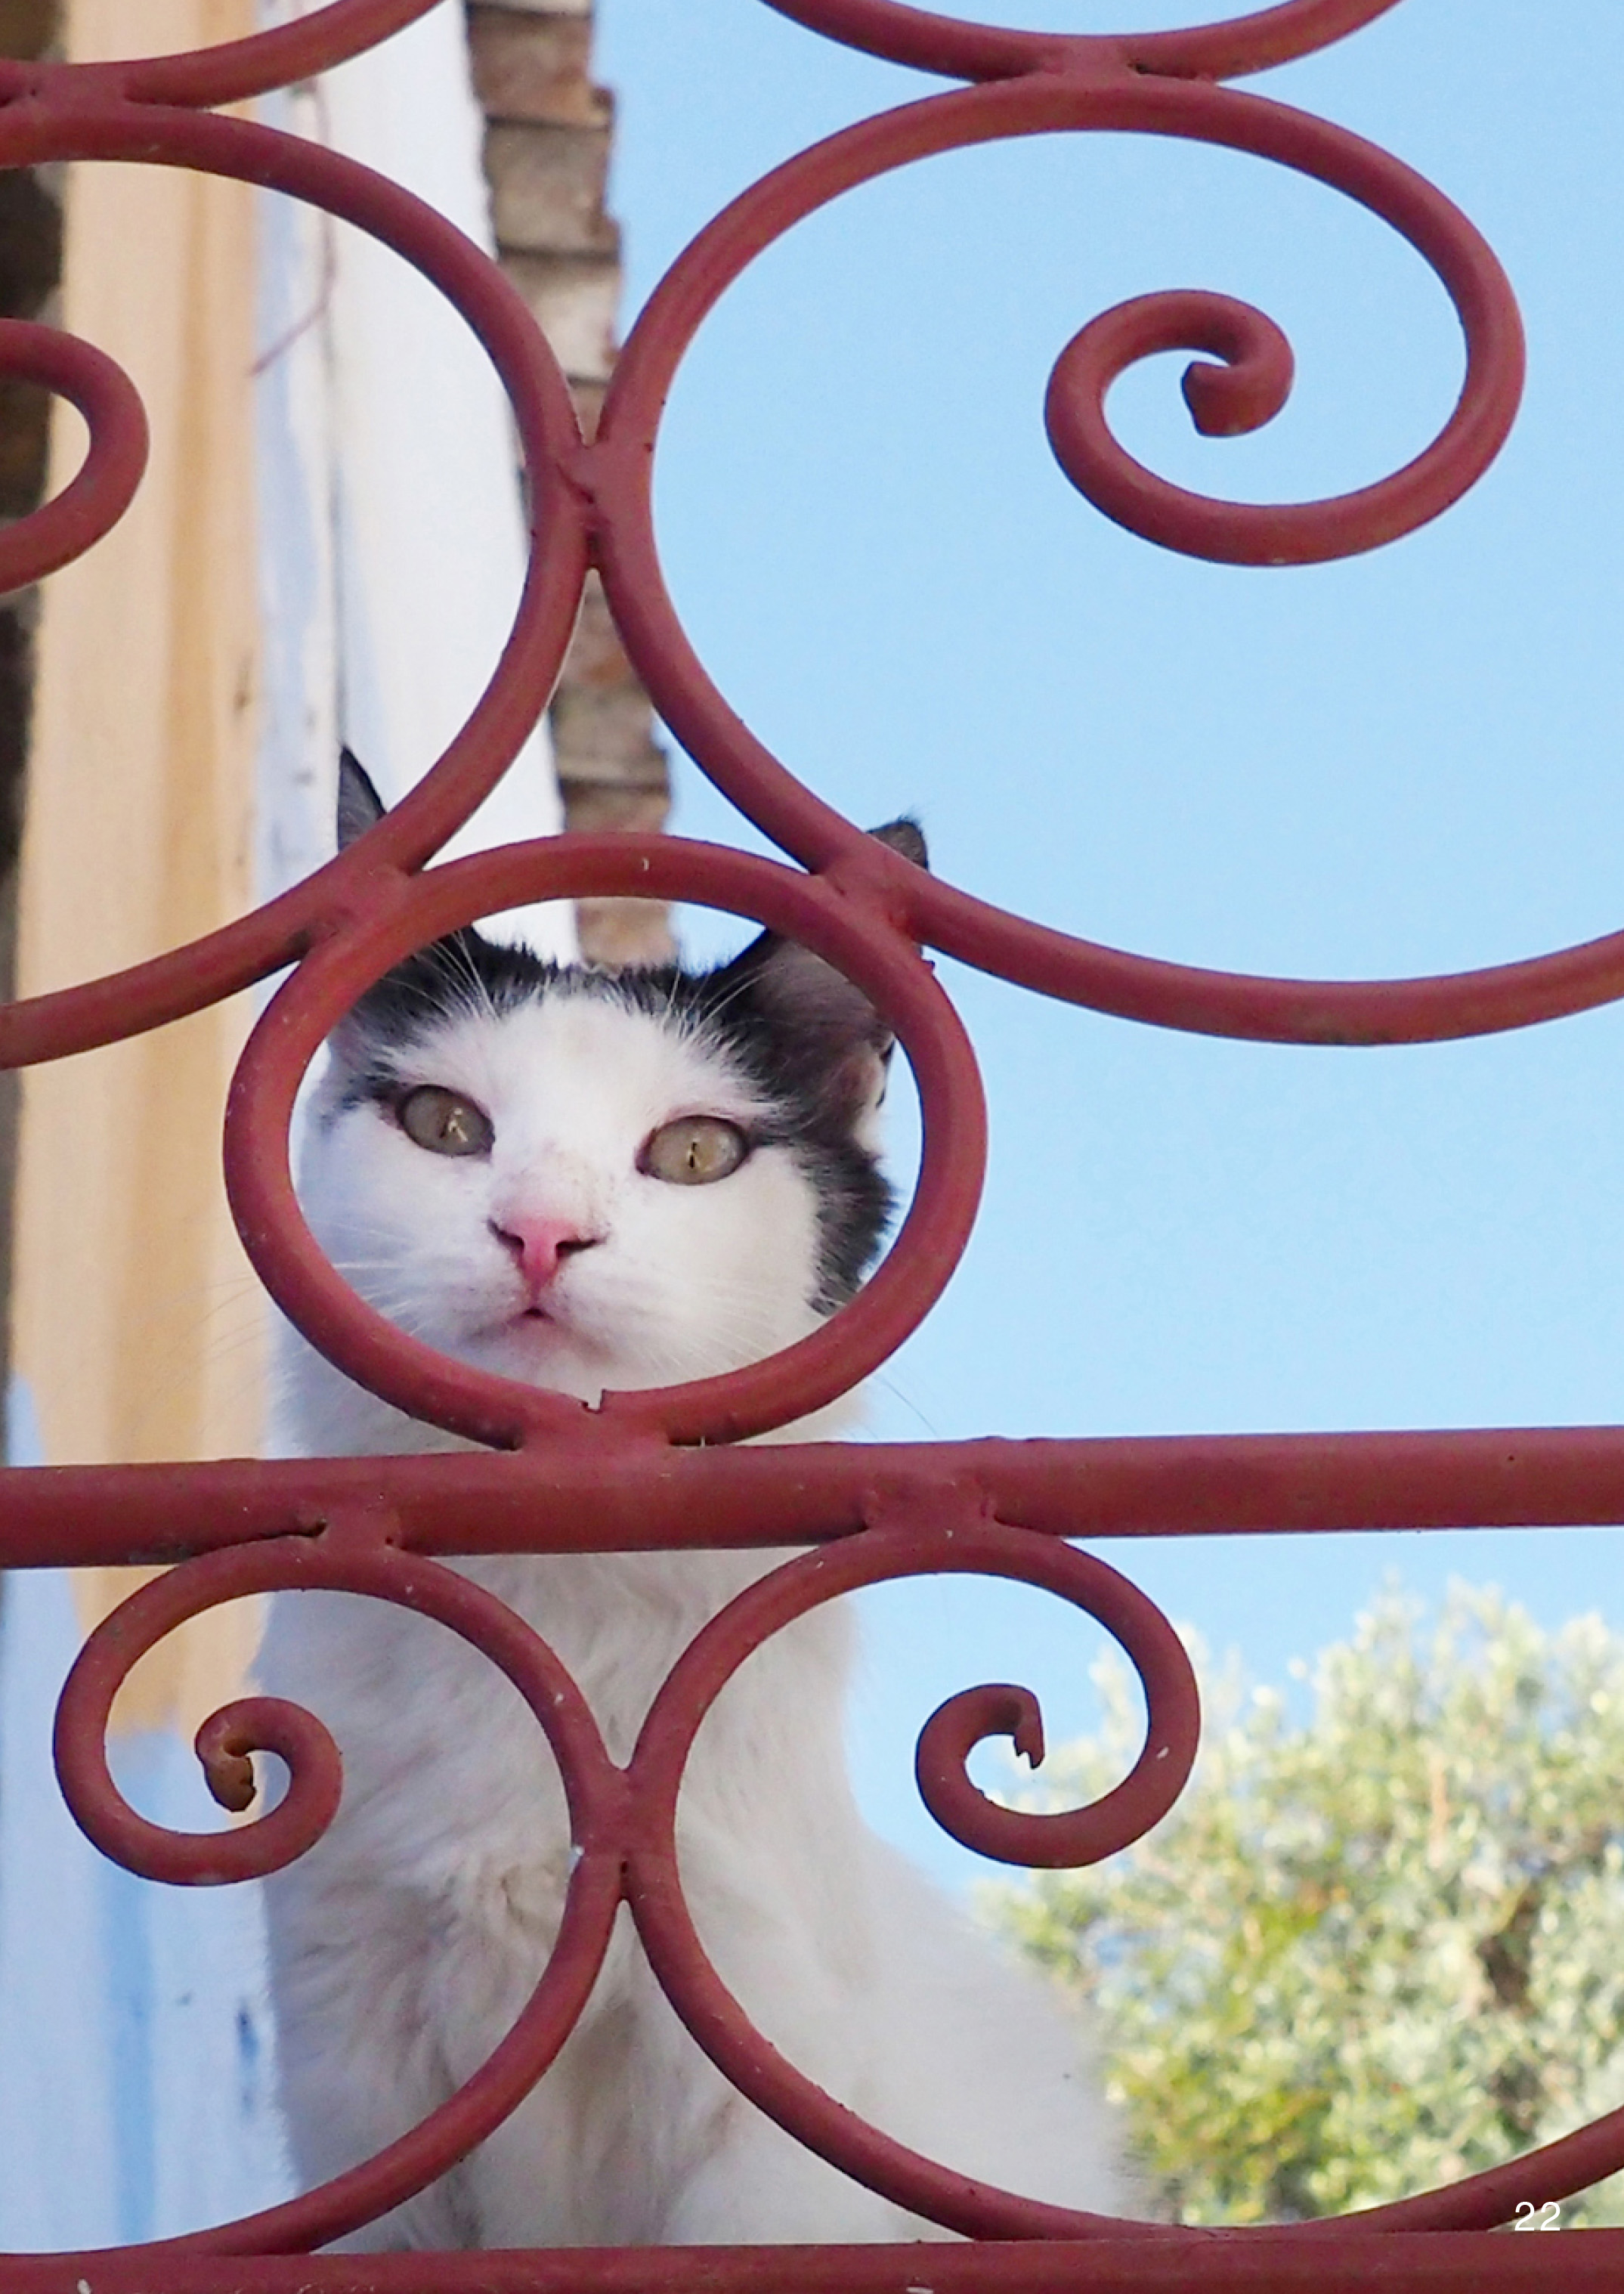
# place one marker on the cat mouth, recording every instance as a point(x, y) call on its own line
point(538, 1321)
point(520, 1343)
point(523, 1325)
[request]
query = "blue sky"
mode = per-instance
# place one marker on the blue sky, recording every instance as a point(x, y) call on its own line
point(1405, 762)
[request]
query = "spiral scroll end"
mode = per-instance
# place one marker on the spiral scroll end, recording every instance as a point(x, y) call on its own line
point(1227, 402)
point(228, 1770)
point(230, 1776)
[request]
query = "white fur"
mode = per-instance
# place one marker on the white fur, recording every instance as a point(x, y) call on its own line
point(405, 1943)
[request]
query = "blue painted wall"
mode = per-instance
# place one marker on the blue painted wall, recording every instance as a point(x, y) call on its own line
point(135, 2048)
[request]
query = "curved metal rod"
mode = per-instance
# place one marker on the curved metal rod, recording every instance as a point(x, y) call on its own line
point(631, 1815)
point(851, 927)
point(1225, 402)
point(943, 1536)
point(861, 913)
point(940, 1533)
point(100, 492)
point(230, 72)
point(964, 50)
point(185, 979)
point(620, 468)
point(352, 1555)
point(1067, 1840)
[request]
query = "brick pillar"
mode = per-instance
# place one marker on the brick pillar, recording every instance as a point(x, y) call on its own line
point(547, 160)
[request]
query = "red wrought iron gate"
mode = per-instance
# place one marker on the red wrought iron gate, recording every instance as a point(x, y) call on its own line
point(659, 1469)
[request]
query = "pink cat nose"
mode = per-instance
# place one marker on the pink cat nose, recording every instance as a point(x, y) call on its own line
point(539, 1246)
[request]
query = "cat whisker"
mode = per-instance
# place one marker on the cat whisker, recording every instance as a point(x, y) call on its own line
point(909, 1404)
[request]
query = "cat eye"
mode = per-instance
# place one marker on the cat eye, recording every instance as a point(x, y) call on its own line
point(445, 1122)
point(693, 1150)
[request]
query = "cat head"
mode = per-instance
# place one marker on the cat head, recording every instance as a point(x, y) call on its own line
point(591, 1179)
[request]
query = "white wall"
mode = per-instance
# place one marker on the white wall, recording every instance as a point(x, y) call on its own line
point(393, 541)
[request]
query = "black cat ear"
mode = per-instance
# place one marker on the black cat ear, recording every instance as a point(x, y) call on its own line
point(905, 836)
point(826, 1036)
point(360, 805)
point(425, 986)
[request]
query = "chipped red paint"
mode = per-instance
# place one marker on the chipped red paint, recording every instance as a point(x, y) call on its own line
point(556, 1476)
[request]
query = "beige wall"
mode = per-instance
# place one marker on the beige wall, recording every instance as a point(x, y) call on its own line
point(136, 1323)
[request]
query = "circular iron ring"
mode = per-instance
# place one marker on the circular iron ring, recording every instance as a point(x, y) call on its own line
point(854, 933)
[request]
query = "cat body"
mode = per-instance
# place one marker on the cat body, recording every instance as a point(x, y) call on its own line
point(593, 1181)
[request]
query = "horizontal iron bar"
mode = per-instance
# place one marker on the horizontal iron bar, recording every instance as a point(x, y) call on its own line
point(618, 1495)
point(1436, 2262)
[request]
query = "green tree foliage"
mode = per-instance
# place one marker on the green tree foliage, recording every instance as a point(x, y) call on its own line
point(1374, 1952)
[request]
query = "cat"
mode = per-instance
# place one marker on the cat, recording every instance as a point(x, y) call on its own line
point(588, 1180)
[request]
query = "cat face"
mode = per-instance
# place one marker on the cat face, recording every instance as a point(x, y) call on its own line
point(575, 1191)
point(588, 1179)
